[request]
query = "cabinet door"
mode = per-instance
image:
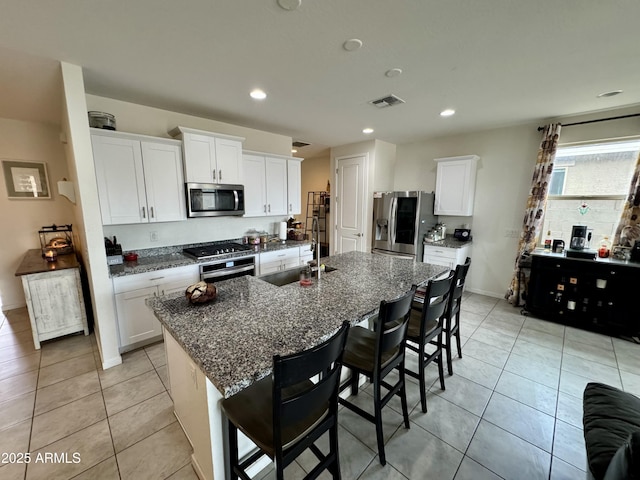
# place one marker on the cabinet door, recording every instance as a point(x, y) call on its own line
point(229, 160)
point(136, 321)
point(255, 193)
point(163, 181)
point(455, 186)
point(276, 175)
point(294, 180)
point(120, 180)
point(199, 158)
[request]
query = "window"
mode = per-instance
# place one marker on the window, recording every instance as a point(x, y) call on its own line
point(589, 185)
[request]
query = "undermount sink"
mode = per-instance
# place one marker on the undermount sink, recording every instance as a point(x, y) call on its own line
point(289, 276)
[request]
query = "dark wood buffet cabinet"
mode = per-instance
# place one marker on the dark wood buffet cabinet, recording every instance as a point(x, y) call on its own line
point(601, 295)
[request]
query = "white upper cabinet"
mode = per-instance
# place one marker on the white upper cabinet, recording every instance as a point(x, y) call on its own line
point(455, 185)
point(139, 178)
point(210, 157)
point(271, 184)
point(294, 185)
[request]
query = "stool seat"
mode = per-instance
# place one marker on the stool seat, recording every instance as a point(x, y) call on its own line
point(251, 410)
point(360, 349)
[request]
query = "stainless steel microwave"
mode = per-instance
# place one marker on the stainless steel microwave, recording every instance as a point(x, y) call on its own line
point(213, 200)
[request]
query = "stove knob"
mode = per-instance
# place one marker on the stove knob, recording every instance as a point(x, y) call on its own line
point(218, 252)
point(226, 250)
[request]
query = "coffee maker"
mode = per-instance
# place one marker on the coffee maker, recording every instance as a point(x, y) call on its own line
point(580, 243)
point(578, 237)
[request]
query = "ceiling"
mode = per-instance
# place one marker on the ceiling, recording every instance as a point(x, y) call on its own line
point(496, 62)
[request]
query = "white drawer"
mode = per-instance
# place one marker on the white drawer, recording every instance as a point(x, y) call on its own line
point(277, 255)
point(443, 252)
point(305, 250)
point(148, 279)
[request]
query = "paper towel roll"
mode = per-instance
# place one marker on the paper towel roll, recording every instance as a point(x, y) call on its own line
point(283, 231)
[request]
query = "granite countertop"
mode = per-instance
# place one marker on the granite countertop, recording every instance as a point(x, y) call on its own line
point(234, 339)
point(33, 262)
point(449, 242)
point(171, 257)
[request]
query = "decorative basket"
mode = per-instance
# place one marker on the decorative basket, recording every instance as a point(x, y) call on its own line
point(201, 292)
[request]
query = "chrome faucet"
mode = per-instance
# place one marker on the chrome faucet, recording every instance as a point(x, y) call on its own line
point(315, 242)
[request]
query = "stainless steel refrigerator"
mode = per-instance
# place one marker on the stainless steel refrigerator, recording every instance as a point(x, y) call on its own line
point(400, 220)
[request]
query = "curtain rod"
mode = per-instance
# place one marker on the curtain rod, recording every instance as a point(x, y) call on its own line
point(595, 121)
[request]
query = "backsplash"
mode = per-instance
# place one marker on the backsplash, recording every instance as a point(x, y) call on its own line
point(191, 231)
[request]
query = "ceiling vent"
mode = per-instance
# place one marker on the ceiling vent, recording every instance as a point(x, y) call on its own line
point(388, 101)
point(299, 144)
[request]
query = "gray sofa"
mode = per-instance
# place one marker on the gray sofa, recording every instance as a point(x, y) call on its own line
point(611, 421)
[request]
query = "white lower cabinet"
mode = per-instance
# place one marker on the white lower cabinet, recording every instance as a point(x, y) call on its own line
point(445, 256)
point(279, 260)
point(285, 259)
point(136, 322)
point(306, 255)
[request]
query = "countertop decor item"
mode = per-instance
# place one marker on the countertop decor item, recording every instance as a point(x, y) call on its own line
point(201, 292)
point(57, 238)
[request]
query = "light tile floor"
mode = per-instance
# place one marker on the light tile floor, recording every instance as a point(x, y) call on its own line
point(512, 409)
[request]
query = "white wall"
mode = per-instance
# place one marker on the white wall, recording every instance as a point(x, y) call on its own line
point(507, 157)
point(21, 219)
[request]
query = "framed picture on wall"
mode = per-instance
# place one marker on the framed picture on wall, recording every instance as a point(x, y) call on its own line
point(26, 179)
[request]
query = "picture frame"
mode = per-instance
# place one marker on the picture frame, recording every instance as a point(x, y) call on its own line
point(26, 180)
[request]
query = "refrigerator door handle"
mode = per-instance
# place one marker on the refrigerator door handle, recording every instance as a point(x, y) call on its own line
point(392, 221)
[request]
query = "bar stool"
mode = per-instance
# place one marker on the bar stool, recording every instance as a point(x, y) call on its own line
point(285, 414)
point(452, 324)
point(375, 354)
point(426, 328)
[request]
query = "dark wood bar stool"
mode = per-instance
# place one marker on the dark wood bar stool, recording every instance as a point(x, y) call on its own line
point(377, 353)
point(426, 330)
point(452, 324)
point(286, 413)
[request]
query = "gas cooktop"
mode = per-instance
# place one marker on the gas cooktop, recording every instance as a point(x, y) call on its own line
point(212, 251)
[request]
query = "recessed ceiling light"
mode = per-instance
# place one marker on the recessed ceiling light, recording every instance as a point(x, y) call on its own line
point(293, 150)
point(394, 72)
point(612, 93)
point(447, 113)
point(289, 4)
point(258, 94)
point(367, 131)
point(352, 44)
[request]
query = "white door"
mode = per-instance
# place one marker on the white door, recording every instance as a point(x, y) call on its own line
point(163, 180)
point(351, 203)
point(229, 160)
point(120, 179)
point(199, 158)
point(254, 180)
point(294, 184)
point(276, 175)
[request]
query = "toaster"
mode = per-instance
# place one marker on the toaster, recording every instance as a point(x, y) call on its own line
point(462, 234)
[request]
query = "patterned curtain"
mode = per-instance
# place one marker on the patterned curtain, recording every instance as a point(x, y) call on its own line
point(535, 207)
point(628, 230)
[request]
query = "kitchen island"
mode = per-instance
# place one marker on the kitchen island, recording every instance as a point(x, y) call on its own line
point(216, 350)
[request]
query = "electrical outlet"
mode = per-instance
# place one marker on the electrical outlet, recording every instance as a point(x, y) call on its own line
point(153, 236)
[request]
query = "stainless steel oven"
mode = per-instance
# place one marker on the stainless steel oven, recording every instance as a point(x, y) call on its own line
point(212, 200)
point(226, 269)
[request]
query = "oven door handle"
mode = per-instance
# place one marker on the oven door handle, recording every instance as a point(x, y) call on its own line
point(226, 271)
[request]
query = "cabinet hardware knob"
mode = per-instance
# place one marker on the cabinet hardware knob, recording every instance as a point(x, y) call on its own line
point(220, 175)
point(265, 208)
point(290, 207)
point(214, 175)
point(144, 212)
point(269, 208)
point(152, 214)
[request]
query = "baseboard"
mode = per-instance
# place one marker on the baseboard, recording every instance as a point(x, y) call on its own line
point(13, 306)
point(111, 362)
point(485, 292)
